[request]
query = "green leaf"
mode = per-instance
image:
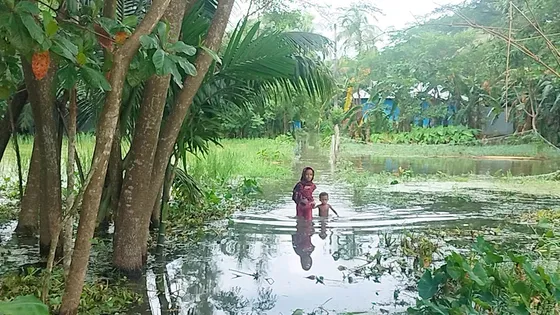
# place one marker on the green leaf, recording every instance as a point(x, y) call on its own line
point(64, 48)
point(169, 66)
point(162, 31)
point(189, 68)
point(148, 42)
point(522, 289)
point(481, 274)
point(535, 278)
point(182, 48)
point(130, 20)
point(213, 54)
point(427, 286)
point(454, 271)
point(95, 78)
point(299, 311)
point(50, 24)
point(158, 59)
point(5, 19)
point(19, 36)
point(5, 92)
point(28, 305)
point(557, 295)
point(81, 58)
point(33, 28)
point(27, 7)
point(10, 3)
point(68, 76)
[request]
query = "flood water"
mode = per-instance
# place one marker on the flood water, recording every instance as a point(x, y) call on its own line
point(457, 165)
point(267, 263)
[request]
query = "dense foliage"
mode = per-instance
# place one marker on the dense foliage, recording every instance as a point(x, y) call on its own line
point(450, 59)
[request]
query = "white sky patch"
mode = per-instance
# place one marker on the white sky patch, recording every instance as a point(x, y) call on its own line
point(397, 14)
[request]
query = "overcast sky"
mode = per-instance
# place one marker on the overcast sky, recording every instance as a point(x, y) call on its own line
point(397, 14)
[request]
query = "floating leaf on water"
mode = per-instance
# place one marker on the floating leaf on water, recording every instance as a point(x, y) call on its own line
point(299, 311)
point(341, 268)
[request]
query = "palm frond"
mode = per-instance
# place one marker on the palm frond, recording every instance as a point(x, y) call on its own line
point(186, 185)
point(132, 7)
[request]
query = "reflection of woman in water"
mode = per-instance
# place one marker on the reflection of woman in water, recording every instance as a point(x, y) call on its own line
point(301, 242)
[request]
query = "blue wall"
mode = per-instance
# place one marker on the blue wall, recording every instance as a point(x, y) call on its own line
point(495, 127)
point(389, 108)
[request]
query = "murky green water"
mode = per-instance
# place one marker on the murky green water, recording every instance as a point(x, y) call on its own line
point(267, 263)
point(264, 263)
point(457, 166)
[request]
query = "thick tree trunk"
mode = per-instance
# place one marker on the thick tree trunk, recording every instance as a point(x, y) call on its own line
point(43, 105)
point(104, 140)
point(28, 219)
point(135, 205)
point(15, 107)
point(170, 132)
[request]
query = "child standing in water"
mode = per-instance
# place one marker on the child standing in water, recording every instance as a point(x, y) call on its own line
point(324, 207)
point(303, 194)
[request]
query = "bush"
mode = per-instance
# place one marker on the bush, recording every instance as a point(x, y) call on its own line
point(436, 135)
point(488, 281)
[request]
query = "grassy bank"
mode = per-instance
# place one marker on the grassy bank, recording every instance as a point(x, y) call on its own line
point(260, 158)
point(243, 162)
point(255, 158)
point(537, 151)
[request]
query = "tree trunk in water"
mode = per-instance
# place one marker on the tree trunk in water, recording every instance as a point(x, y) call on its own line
point(170, 132)
point(135, 205)
point(43, 105)
point(104, 140)
point(15, 107)
point(28, 219)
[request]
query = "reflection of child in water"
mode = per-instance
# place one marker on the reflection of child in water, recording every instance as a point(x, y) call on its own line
point(301, 242)
point(324, 206)
point(323, 232)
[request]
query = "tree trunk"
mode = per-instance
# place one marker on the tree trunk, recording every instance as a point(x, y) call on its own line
point(15, 107)
point(68, 225)
point(168, 135)
point(112, 188)
point(135, 205)
point(104, 139)
point(156, 212)
point(28, 219)
point(43, 105)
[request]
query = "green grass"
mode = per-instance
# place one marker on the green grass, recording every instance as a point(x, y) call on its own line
point(252, 158)
point(257, 158)
point(85, 144)
point(411, 150)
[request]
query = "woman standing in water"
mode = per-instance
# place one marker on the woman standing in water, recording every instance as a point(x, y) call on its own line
point(303, 194)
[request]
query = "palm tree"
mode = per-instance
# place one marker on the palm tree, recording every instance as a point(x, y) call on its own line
point(357, 31)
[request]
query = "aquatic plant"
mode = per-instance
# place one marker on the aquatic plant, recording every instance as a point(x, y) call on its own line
point(100, 296)
point(488, 280)
point(437, 135)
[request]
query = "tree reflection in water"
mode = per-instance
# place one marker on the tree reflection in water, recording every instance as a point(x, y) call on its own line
point(233, 303)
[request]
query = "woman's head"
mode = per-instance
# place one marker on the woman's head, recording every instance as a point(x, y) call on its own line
point(307, 174)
